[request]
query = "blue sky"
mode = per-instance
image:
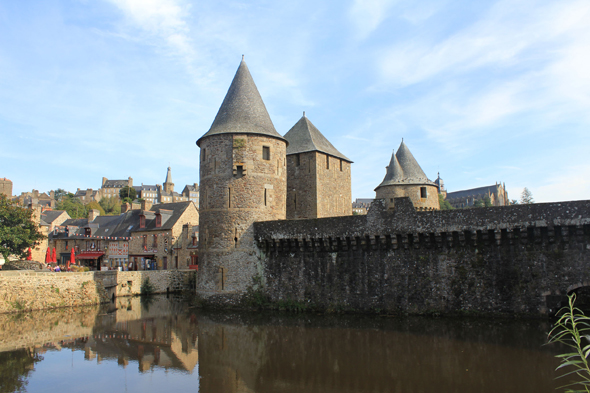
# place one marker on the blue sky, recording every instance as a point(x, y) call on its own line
point(481, 91)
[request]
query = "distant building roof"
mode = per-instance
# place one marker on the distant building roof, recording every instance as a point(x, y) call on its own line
point(51, 215)
point(472, 192)
point(242, 110)
point(191, 187)
point(304, 137)
point(115, 183)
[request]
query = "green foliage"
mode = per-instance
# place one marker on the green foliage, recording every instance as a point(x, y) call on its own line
point(572, 329)
point(526, 197)
point(18, 232)
point(239, 143)
point(15, 367)
point(147, 288)
point(485, 202)
point(127, 192)
point(443, 203)
point(111, 206)
point(59, 194)
point(96, 206)
point(72, 206)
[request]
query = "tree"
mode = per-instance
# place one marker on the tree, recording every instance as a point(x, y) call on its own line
point(18, 232)
point(59, 194)
point(443, 203)
point(111, 205)
point(72, 206)
point(127, 192)
point(526, 198)
point(95, 205)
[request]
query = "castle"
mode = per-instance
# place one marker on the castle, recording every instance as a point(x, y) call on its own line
point(275, 217)
point(250, 173)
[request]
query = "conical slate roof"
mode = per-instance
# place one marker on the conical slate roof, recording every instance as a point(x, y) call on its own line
point(242, 110)
point(304, 137)
point(394, 173)
point(404, 169)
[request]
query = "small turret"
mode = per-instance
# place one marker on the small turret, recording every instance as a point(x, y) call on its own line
point(405, 178)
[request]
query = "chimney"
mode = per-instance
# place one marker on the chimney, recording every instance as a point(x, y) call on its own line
point(104, 180)
point(52, 194)
point(146, 205)
point(130, 181)
point(92, 214)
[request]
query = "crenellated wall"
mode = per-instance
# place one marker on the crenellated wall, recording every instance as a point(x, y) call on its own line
point(514, 259)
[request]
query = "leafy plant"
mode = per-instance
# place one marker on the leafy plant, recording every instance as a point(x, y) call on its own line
point(572, 329)
point(147, 288)
point(18, 230)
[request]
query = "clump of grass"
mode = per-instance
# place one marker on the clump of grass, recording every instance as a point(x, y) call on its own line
point(572, 329)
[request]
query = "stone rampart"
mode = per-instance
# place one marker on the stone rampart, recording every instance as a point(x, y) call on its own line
point(514, 259)
point(28, 290)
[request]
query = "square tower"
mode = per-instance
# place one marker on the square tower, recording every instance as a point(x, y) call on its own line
point(318, 175)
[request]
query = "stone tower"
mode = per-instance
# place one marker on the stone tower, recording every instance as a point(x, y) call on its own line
point(318, 175)
point(405, 178)
point(168, 185)
point(243, 180)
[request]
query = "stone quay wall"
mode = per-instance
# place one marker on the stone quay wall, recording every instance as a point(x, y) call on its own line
point(501, 260)
point(28, 290)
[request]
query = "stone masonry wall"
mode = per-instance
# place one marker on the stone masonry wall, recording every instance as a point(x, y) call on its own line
point(514, 259)
point(231, 201)
point(319, 186)
point(301, 186)
point(333, 186)
point(412, 191)
point(27, 290)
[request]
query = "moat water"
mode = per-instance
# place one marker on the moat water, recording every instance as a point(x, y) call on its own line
point(163, 345)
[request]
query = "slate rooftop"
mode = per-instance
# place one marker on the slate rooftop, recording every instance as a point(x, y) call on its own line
point(242, 110)
point(404, 169)
point(304, 137)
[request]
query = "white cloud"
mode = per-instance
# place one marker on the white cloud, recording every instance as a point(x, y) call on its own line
point(367, 15)
point(161, 18)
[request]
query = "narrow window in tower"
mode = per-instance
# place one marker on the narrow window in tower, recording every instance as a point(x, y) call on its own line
point(229, 197)
point(204, 155)
point(340, 165)
point(265, 152)
point(265, 197)
point(239, 171)
point(423, 193)
point(295, 199)
point(327, 161)
point(297, 160)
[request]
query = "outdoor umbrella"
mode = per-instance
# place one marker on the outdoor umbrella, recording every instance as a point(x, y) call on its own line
point(72, 259)
point(48, 256)
point(29, 257)
point(53, 256)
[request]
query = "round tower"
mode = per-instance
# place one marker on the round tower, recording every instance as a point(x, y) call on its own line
point(243, 180)
point(405, 178)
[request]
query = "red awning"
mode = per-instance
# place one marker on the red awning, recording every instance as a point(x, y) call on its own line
point(90, 255)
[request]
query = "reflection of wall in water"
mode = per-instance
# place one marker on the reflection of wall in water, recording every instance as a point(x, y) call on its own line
point(236, 357)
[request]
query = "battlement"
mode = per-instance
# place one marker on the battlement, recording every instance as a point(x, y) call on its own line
point(404, 227)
